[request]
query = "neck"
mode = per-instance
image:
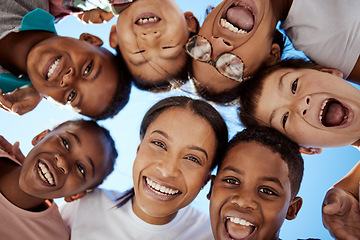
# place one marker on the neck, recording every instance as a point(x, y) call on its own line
point(356, 144)
point(155, 220)
point(281, 8)
point(10, 189)
point(15, 48)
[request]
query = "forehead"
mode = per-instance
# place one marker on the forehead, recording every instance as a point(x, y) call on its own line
point(256, 160)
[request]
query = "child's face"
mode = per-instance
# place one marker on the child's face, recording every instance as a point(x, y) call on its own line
point(65, 162)
point(151, 35)
point(313, 108)
point(75, 72)
point(172, 164)
point(253, 47)
point(250, 195)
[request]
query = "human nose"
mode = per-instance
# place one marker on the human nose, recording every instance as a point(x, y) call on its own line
point(67, 78)
point(303, 105)
point(220, 45)
point(244, 199)
point(168, 167)
point(61, 163)
point(150, 35)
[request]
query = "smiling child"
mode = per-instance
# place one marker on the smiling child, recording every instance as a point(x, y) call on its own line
point(150, 35)
point(182, 141)
point(328, 32)
point(66, 162)
point(256, 186)
point(78, 73)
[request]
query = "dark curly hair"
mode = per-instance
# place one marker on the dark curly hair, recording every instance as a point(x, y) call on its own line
point(278, 143)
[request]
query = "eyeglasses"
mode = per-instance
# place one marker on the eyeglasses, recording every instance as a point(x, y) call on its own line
point(119, 5)
point(227, 64)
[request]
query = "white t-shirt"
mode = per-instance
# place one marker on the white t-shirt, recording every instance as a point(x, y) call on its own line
point(96, 216)
point(327, 31)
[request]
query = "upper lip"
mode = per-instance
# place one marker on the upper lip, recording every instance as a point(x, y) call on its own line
point(242, 216)
point(168, 189)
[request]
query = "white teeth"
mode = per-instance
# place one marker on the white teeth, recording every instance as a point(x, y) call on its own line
point(225, 24)
point(322, 110)
point(161, 189)
point(45, 174)
point(145, 20)
point(53, 67)
point(240, 221)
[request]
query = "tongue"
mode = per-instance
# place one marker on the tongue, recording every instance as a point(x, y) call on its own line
point(240, 17)
point(237, 231)
point(334, 115)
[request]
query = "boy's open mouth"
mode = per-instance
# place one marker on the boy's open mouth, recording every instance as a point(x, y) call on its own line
point(45, 174)
point(52, 67)
point(238, 228)
point(238, 18)
point(147, 19)
point(333, 113)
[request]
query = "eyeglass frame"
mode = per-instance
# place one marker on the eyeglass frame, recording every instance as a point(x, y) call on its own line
point(213, 63)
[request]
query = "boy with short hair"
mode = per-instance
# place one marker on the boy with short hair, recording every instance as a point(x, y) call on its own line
point(151, 35)
point(66, 162)
point(256, 186)
point(76, 73)
point(316, 108)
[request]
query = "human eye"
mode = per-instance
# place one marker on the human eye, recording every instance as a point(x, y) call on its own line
point(284, 119)
point(294, 86)
point(71, 96)
point(65, 143)
point(88, 68)
point(231, 181)
point(268, 191)
point(194, 159)
point(81, 169)
point(167, 47)
point(140, 51)
point(159, 144)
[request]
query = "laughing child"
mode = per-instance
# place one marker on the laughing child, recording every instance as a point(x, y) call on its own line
point(328, 32)
point(316, 108)
point(150, 35)
point(66, 162)
point(256, 186)
point(78, 73)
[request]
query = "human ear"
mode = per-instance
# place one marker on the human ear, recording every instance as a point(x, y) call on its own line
point(275, 55)
point(294, 208)
point(92, 39)
point(212, 178)
point(310, 150)
point(74, 197)
point(192, 22)
point(332, 71)
point(113, 37)
point(39, 137)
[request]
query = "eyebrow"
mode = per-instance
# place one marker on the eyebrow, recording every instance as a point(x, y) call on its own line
point(273, 179)
point(77, 139)
point(97, 73)
point(230, 168)
point(192, 147)
point(280, 87)
point(92, 165)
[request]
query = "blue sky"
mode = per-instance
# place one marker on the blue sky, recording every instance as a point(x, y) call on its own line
point(321, 171)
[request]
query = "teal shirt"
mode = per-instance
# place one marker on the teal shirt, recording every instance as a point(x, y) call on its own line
point(37, 19)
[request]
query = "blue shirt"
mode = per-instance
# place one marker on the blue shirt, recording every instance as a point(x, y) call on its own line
point(37, 19)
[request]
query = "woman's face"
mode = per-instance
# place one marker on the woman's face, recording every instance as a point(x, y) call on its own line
point(244, 28)
point(172, 164)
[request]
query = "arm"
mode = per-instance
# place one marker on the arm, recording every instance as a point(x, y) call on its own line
point(341, 215)
point(340, 212)
point(21, 100)
point(13, 150)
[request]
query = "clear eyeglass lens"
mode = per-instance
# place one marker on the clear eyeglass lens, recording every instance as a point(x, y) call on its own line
point(230, 66)
point(199, 48)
